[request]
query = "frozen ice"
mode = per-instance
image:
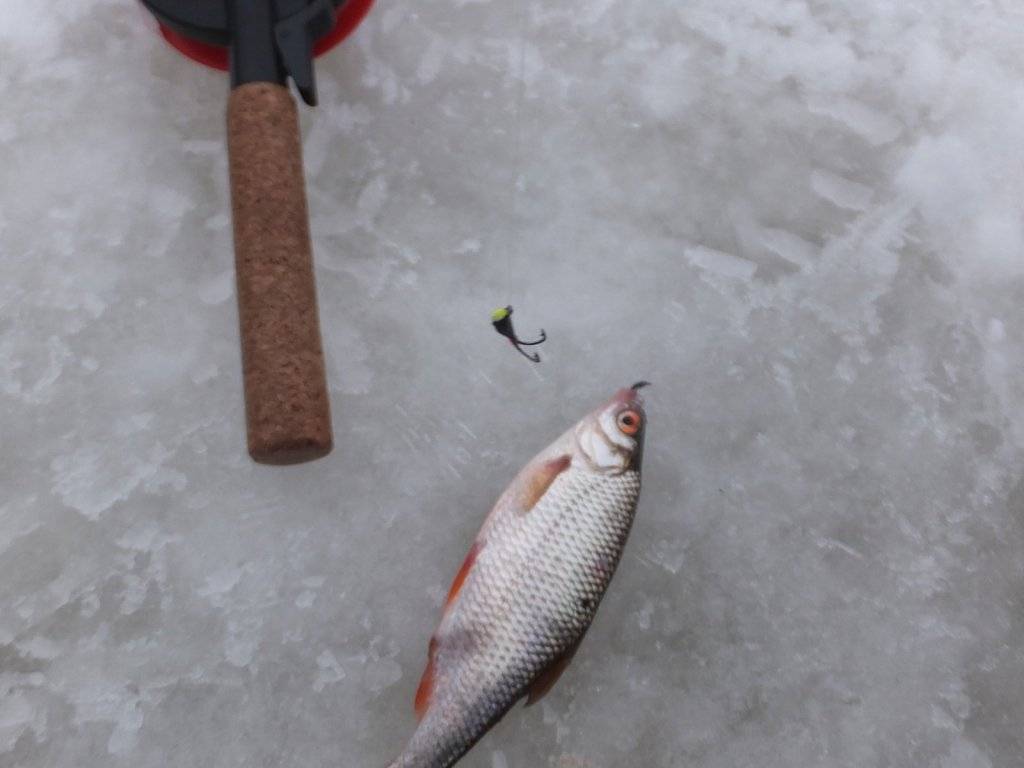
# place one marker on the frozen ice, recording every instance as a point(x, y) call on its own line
point(801, 220)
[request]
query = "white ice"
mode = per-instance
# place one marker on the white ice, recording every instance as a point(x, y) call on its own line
point(801, 220)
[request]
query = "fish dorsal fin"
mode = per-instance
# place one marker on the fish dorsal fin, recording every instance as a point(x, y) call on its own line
point(546, 680)
point(425, 691)
point(537, 482)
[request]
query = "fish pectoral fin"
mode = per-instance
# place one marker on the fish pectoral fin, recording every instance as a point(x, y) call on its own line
point(536, 484)
point(546, 680)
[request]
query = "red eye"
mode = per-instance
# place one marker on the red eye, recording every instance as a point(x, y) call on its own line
point(629, 422)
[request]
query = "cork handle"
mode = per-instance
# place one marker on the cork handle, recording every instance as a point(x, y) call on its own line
point(287, 411)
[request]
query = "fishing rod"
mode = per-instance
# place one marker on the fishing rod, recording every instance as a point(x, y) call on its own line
point(264, 44)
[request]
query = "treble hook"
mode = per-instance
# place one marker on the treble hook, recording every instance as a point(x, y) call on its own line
point(501, 319)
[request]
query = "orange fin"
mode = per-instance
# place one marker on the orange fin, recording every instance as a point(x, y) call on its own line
point(425, 691)
point(537, 484)
point(547, 679)
point(460, 577)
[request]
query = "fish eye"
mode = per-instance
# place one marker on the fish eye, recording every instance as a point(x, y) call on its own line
point(629, 422)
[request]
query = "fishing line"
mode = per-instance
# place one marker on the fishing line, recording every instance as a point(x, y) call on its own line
point(517, 156)
point(501, 318)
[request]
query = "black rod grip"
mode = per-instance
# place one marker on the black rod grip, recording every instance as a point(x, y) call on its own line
point(254, 57)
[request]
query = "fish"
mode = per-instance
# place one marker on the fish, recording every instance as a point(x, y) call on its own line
point(530, 586)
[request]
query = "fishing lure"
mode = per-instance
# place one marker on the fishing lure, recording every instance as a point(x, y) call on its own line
point(501, 319)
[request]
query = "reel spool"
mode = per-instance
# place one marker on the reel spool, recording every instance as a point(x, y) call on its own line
point(263, 44)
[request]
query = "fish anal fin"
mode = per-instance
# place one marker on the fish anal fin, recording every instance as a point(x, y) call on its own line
point(547, 679)
point(425, 691)
point(536, 484)
point(460, 577)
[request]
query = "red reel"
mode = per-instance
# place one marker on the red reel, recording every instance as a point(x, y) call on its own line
point(349, 17)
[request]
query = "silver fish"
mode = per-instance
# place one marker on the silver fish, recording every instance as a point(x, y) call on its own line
point(531, 584)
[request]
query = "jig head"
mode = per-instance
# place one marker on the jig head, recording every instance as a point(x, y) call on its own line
point(501, 319)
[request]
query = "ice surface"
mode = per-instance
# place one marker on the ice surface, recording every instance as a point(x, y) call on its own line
point(800, 219)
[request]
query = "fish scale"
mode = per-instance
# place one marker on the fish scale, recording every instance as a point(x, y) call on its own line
point(534, 581)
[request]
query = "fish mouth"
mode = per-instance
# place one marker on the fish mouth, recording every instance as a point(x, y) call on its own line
point(630, 396)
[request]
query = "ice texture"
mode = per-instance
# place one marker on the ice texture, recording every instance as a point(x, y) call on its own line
point(801, 220)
